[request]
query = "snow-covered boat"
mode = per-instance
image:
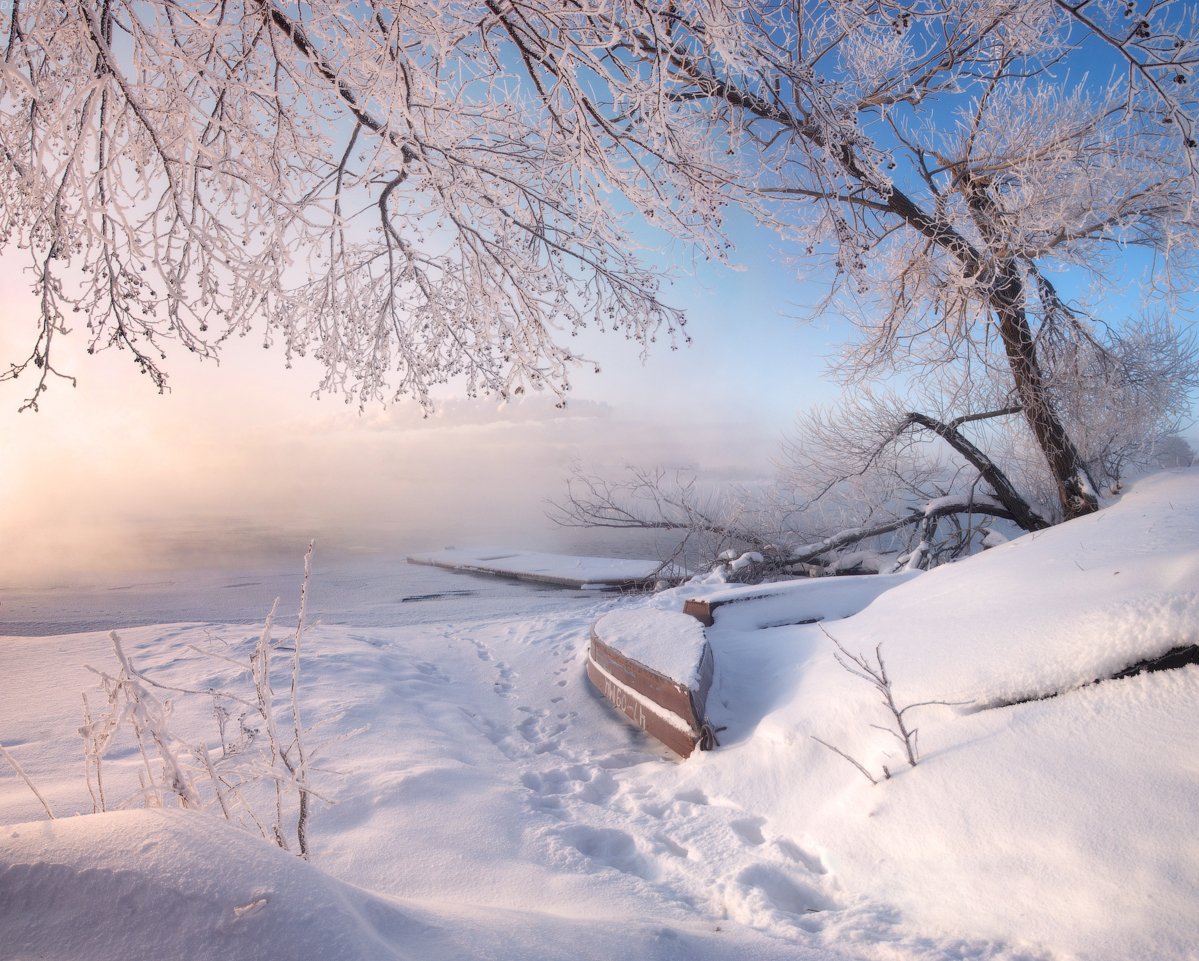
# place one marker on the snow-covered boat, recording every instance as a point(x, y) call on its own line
point(655, 668)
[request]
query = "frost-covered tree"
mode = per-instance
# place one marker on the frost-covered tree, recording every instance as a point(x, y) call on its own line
point(947, 157)
point(384, 186)
point(880, 480)
point(1127, 403)
point(424, 191)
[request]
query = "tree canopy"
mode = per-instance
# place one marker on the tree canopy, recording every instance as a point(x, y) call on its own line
point(414, 193)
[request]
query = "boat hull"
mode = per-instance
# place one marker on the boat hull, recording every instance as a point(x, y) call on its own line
point(667, 710)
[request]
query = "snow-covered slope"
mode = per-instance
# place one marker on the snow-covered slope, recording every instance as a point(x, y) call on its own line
point(173, 885)
point(485, 804)
point(1067, 823)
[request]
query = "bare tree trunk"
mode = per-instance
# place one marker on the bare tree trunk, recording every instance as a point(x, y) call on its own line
point(1075, 492)
point(1007, 293)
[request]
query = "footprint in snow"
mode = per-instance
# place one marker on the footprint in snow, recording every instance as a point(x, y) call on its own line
point(530, 727)
point(749, 830)
point(607, 847)
point(542, 737)
point(811, 862)
point(763, 891)
point(577, 781)
point(432, 671)
point(668, 845)
point(498, 736)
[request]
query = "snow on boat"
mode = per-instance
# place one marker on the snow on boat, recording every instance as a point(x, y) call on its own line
point(655, 668)
point(801, 601)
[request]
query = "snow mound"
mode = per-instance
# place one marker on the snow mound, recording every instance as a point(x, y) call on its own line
point(1050, 611)
point(171, 884)
point(1063, 825)
point(177, 884)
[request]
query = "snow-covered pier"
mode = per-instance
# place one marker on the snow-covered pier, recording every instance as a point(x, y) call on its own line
point(560, 570)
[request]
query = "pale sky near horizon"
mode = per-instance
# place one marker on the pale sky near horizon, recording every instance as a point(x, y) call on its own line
point(239, 458)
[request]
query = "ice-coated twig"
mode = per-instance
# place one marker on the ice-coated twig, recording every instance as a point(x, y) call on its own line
point(836, 750)
point(28, 782)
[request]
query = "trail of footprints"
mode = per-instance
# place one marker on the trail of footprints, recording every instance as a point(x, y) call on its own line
point(710, 857)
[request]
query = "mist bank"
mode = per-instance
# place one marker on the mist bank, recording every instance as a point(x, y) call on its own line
point(170, 493)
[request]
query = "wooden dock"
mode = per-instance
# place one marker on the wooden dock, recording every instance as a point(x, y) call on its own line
point(558, 570)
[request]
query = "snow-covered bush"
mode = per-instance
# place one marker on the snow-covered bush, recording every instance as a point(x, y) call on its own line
point(255, 772)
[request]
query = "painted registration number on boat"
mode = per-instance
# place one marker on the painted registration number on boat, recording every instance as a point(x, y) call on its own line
point(629, 706)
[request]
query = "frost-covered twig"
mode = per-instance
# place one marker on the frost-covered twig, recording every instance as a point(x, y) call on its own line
point(28, 782)
point(254, 759)
point(150, 720)
point(852, 760)
point(875, 673)
point(261, 662)
point(299, 767)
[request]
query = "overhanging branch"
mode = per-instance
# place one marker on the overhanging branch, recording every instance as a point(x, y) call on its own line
point(936, 510)
point(1016, 506)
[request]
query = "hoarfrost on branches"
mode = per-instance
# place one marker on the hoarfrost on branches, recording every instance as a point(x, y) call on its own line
point(386, 189)
point(440, 190)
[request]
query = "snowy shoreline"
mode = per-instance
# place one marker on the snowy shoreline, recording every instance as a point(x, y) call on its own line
point(486, 804)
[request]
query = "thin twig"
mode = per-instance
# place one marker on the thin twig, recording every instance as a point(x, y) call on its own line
point(25, 777)
point(836, 750)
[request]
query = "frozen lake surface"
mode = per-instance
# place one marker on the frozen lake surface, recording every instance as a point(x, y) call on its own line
point(363, 591)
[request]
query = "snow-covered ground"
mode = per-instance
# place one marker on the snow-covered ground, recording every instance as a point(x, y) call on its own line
point(484, 803)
